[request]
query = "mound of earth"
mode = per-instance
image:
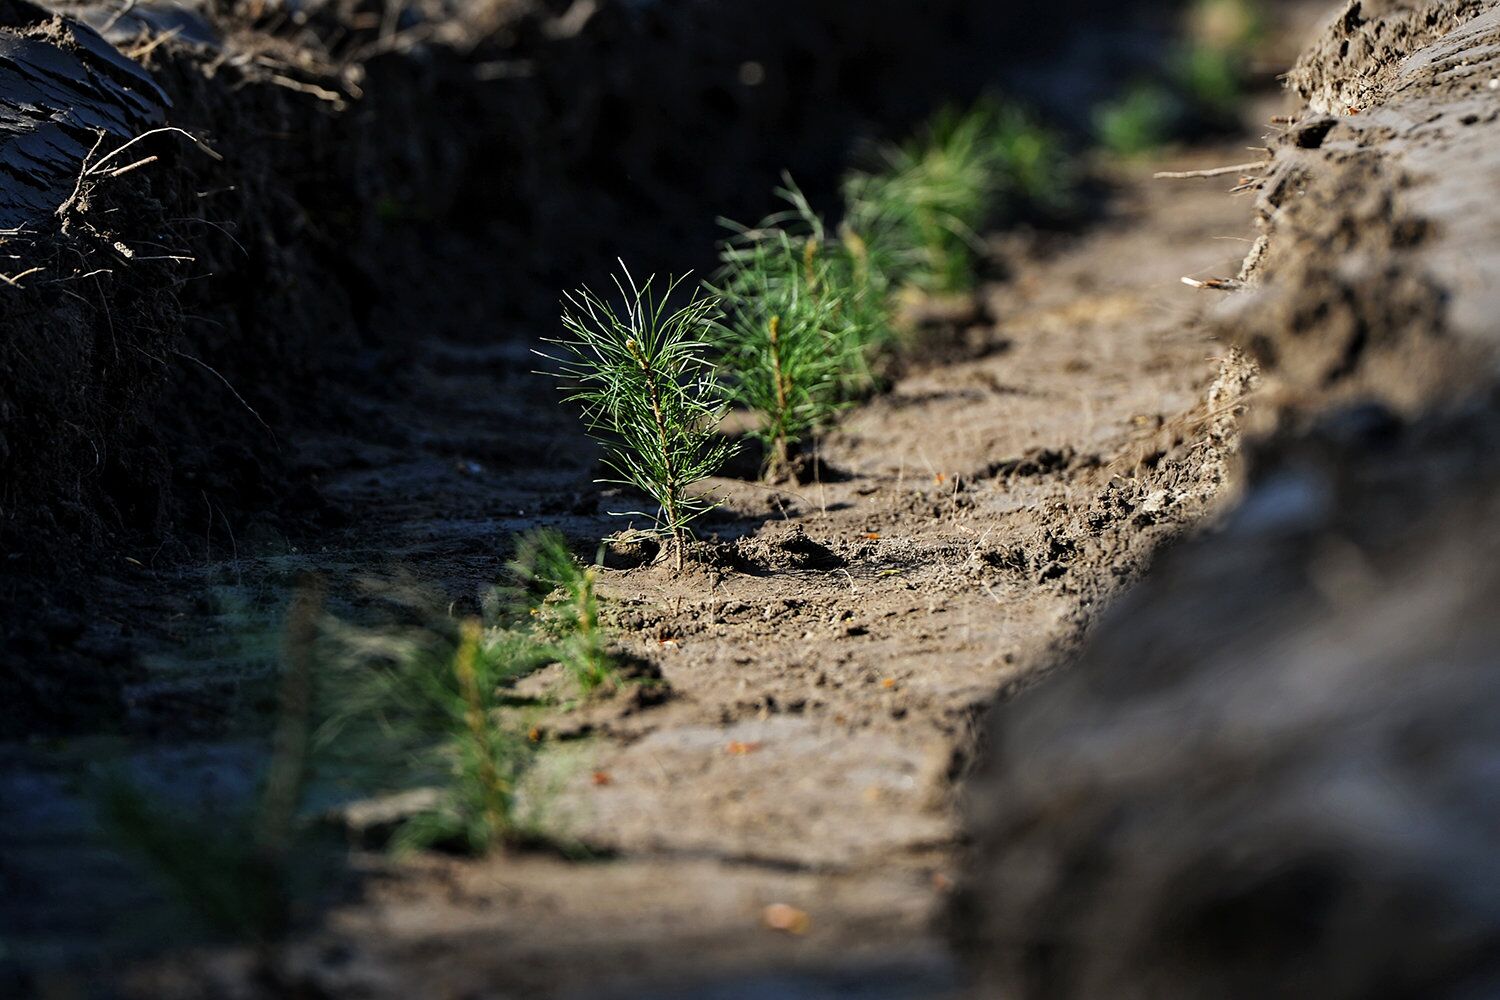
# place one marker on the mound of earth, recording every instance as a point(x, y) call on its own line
point(1271, 771)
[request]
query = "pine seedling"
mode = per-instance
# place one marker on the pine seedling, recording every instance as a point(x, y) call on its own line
point(1032, 173)
point(924, 203)
point(842, 275)
point(1140, 120)
point(419, 704)
point(558, 596)
point(1213, 66)
point(649, 394)
point(782, 341)
point(480, 808)
point(238, 874)
point(210, 868)
point(921, 208)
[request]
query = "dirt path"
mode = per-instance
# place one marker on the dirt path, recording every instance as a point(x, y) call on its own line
point(825, 677)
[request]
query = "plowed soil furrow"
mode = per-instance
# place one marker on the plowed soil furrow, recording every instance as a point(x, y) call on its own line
point(968, 525)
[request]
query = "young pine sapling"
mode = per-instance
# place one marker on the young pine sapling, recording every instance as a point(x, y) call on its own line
point(649, 394)
point(924, 203)
point(416, 704)
point(239, 874)
point(558, 596)
point(846, 277)
point(783, 341)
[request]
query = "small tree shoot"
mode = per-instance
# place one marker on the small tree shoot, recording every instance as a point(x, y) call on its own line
point(784, 341)
point(559, 598)
point(926, 199)
point(649, 394)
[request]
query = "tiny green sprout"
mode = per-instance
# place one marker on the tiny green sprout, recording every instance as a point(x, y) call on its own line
point(649, 394)
point(559, 599)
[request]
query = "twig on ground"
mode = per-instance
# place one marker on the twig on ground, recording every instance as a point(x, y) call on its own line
point(131, 166)
point(115, 18)
point(82, 173)
point(1181, 175)
point(90, 171)
point(1214, 284)
point(14, 281)
point(321, 93)
point(142, 51)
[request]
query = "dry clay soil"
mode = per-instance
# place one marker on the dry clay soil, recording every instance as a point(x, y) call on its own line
point(826, 665)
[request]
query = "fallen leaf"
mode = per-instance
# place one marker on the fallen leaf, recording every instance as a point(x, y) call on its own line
point(738, 749)
point(535, 735)
point(602, 778)
point(888, 683)
point(787, 919)
point(873, 536)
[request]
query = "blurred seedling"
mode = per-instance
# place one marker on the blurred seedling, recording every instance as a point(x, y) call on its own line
point(238, 875)
point(1201, 83)
point(791, 255)
point(923, 204)
point(559, 597)
point(649, 394)
point(420, 704)
point(1214, 65)
point(1032, 170)
point(1139, 121)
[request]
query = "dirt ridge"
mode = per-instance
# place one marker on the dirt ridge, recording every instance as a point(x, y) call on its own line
point(1261, 775)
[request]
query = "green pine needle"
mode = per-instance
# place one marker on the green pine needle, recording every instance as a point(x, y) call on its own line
point(420, 703)
point(806, 314)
